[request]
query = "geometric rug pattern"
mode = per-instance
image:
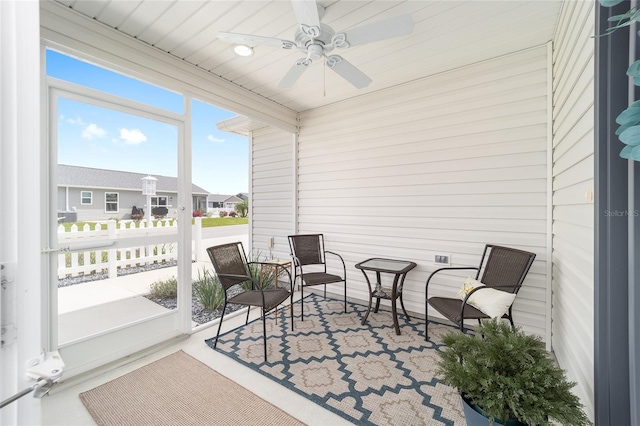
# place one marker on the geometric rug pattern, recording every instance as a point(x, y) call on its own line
point(365, 373)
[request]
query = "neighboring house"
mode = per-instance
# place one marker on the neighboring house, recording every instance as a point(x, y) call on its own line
point(86, 193)
point(217, 202)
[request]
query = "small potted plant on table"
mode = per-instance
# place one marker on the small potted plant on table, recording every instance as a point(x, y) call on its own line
point(507, 377)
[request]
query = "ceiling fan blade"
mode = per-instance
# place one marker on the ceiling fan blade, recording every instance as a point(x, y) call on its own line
point(294, 73)
point(308, 17)
point(254, 40)
point(348, 71)
point(381, 30)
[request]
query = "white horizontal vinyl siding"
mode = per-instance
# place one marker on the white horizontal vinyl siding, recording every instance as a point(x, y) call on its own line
point(272, 186)
point(573, 220)
point(445, 164)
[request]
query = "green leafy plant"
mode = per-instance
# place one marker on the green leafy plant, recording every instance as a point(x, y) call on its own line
point(509, 375)
point(163, 289)
point(629, 119)
point(242, 208)
point(208, 290)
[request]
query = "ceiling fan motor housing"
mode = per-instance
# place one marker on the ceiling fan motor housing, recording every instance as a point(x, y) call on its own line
point(315, 46)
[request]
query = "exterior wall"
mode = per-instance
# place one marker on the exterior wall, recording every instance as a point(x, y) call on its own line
point(272, 183)
point(573, 215)
point(445, 164)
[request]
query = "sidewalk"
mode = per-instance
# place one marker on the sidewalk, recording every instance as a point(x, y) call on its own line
point(97, 306)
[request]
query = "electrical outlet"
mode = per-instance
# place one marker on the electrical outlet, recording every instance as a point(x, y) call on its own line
point(442, 259)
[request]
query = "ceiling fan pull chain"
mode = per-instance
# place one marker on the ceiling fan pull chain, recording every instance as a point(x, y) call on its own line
point(324, 82)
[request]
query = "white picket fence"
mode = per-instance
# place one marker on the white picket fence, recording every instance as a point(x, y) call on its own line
point(109, 260)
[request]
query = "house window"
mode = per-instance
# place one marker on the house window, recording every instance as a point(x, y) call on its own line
point(86, 198)
point(110, 202)
point(158, 201)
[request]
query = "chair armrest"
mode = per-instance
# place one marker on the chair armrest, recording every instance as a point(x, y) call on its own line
point(246, 278)
point(449, 268)
point(344, 267)
point(296, 261)
point(335, 254)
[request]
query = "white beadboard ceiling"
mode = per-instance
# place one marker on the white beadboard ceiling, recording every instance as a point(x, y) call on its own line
point(448, 34)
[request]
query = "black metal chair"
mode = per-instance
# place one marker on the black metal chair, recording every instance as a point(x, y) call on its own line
point(232, 268)
point(310, 263)
point(502, 268)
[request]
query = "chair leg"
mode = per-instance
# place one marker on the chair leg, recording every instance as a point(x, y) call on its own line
point(247, 320)
point(220, 324)
point(291, 306)
point(301, 300)
point(264, 333)
point(426, 319)
point(325, 292)
point(345, 296)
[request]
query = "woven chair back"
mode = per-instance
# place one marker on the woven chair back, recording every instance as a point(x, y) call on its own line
point(506, 267)
point(309, 249)
point(229, 259)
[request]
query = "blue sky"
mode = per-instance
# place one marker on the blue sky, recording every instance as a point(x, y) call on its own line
point(93, 136)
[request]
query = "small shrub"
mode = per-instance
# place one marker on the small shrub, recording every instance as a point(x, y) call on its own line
point(137, 217)
point(233, 214)
point(208, 290)
point(223, 213)
point(197, 213)
point(209, 214)
point(164, 289)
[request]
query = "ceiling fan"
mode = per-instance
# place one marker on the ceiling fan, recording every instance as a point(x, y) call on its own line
point(317, 40)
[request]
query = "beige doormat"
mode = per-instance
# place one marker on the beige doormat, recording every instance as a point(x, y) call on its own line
point(179, 390)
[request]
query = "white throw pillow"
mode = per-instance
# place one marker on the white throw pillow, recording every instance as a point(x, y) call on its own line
point(491, 302)
point(467, 286)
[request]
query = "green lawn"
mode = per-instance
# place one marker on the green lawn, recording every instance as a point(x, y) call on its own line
point(207, 222)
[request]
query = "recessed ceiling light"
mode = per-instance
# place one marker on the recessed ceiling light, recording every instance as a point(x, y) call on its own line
point(243, 50)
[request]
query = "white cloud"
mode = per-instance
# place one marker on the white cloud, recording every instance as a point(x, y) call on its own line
point(213, 139)
point(133, 136)
point(76, 120)
point(93, 131)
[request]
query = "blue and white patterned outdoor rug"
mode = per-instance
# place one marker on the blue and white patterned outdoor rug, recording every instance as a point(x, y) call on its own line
point(364, 373)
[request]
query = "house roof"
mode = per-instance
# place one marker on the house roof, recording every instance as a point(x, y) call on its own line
point(88, 177)
point(223, 198)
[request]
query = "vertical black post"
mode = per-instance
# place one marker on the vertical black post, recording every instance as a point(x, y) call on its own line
point(634, 258)
point(611, 351)
point(634, 289)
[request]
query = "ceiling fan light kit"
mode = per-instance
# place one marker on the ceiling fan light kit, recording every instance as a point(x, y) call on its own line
point(243, 50)
point(317, 40)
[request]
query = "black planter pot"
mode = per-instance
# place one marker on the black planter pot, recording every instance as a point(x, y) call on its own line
point(475, 417)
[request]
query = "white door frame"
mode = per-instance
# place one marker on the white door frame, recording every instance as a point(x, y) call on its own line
point(20, 205)
point(95, 351)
